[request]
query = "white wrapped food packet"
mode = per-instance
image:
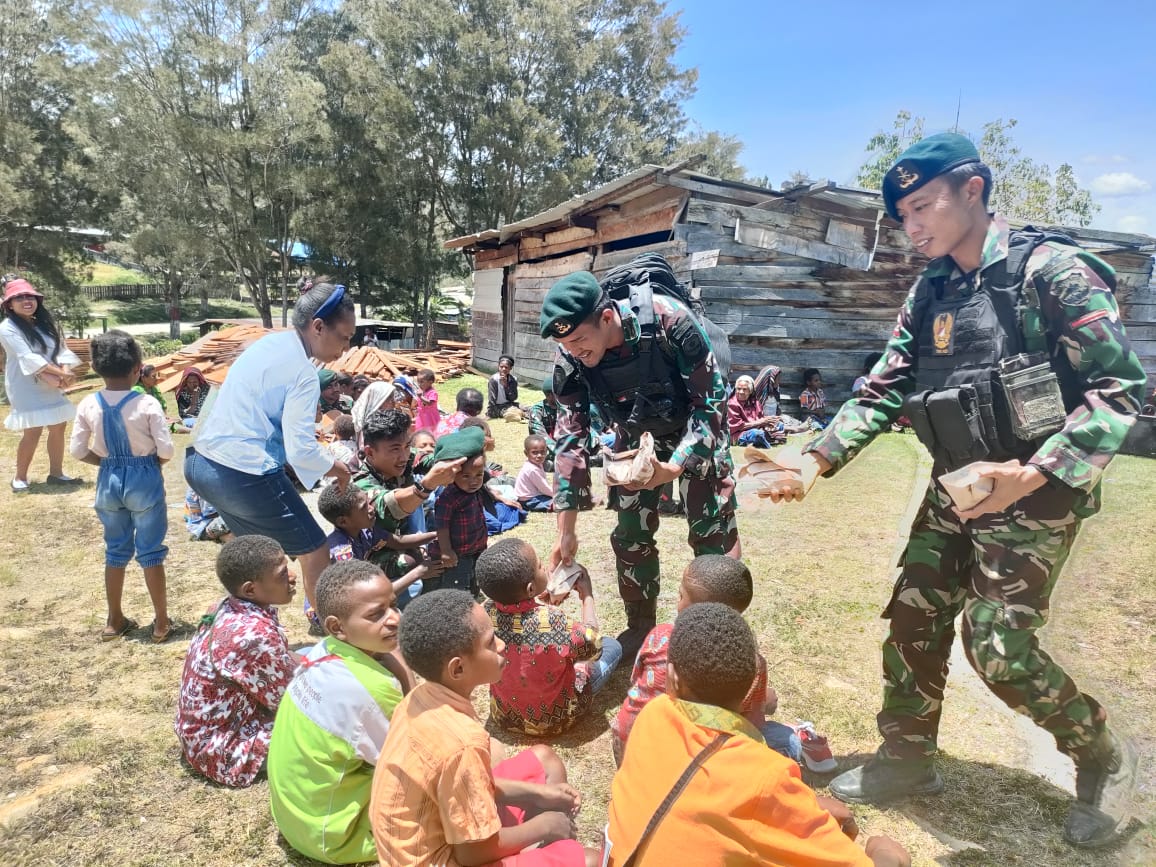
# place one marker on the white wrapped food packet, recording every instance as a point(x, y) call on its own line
point(966, 487)
point(563, 579)
point(763, 473)
point(632, 467)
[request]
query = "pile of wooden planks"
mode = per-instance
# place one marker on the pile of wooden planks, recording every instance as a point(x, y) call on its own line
point(447, 361)
point(82, 348)
point(213, 354)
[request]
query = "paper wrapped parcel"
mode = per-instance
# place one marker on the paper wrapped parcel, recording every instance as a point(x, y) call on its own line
point(966, 487)
point(763, 472)
point(632, 467)
point(563, 578)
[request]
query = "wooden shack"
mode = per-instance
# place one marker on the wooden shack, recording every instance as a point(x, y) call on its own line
point(809, 277)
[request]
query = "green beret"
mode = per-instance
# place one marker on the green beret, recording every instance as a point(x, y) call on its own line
point(326, 376)
point(925, 161)
point(569, 303)
point(469, 442)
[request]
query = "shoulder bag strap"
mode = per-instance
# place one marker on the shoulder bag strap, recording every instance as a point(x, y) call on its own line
point(668, 802)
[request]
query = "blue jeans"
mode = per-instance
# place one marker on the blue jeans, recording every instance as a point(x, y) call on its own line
point(461, 576)
point(602, 667)
point(782, 739)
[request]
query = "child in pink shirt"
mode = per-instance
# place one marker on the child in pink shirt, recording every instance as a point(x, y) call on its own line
point(427, 417)
point(532, 487)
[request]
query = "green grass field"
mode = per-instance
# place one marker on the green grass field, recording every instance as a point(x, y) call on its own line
point(89, 765)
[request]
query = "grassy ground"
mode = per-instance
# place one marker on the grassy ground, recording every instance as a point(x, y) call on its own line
point(104, 274)
point(141, 310)
point(90, 770)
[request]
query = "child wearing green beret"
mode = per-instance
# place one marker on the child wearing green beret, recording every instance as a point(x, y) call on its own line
point(459, 514)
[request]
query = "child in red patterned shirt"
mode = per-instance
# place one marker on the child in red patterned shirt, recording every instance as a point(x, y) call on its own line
point(555, 664)
point(709, 578)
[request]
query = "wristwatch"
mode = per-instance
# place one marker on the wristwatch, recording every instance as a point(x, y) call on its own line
point(421, 490)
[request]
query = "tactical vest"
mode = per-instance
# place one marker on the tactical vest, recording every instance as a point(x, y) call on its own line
point(960, 408)
point(642, 391)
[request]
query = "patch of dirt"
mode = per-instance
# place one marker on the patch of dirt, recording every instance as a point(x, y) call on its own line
point(54, 780)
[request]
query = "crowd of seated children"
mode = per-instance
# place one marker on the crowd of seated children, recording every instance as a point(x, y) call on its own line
point(124, 433)
point(438, 797)
point(238, 665)
point(357, 536)
point(708, 578)
point(741, 803)
point(533, 488)
point(555, 664)
point(459, 513)
point(334, 718)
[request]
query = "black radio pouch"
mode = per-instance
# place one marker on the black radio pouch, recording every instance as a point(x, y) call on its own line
point(949, 423)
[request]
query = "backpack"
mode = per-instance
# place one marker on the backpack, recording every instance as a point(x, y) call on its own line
point(653, 272)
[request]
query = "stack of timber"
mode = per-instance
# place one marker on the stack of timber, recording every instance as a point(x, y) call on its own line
point(82, 349)
point(213, 355)
point(450, 359)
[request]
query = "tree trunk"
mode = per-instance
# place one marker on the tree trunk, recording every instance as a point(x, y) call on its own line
point(205, 299)
point(174, 292)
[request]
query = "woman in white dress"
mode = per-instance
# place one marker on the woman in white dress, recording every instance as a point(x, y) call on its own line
point(38, 367)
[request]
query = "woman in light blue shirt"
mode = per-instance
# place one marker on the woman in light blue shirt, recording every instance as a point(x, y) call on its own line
point(263, 421)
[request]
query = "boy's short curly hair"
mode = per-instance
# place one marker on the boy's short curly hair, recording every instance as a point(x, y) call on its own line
point(504, 569)
point(246, 558)
point(334, 503)
point(714, 653)
point(533, 440)
point(722, 579)
point(385, 424)
point(335, 582)
point(437, 627)
point(470, 401)
point(114, 353)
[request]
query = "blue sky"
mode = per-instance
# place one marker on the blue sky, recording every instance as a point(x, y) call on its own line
point(806, 84)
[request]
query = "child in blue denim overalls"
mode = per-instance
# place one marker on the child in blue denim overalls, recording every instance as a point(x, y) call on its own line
point(129, 442)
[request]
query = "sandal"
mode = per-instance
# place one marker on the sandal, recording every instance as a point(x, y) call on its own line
point(112, 635)
point(161, 638)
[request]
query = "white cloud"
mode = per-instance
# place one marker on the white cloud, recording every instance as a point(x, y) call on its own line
point(1119, 184)
point(1132, 223)
point(1105, 159)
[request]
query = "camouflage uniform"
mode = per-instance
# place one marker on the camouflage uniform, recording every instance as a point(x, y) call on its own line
point(707, 483)
point(382, 494)
point(1000, 569)
point(542, 419)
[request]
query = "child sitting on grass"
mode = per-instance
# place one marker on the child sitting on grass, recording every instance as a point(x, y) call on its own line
point(125, 434)
point(813, 400)
point(459, 514)
point(436, 797)
point(556, 663)
point(708, 578)
point(334, 719)
point(238, 665)
point(356, 536)
point(747, 804)
point(203, 521)
point(533, 489)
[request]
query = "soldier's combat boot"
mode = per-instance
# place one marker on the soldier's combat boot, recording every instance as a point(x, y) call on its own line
point(1104, 784)
point(882, 780)
point(641, 617)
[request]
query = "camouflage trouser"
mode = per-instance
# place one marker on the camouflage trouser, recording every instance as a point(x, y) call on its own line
point(710, 514)
point(999, 571)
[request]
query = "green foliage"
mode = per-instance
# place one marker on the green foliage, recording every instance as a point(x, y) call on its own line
point(1022, 188)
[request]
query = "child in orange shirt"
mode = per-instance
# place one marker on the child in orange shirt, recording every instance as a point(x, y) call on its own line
point(436, 799)
point(747, 804)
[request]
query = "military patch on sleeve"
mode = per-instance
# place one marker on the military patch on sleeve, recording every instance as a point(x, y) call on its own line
point(1074, 289)
point(687, 338)
point(564, 376)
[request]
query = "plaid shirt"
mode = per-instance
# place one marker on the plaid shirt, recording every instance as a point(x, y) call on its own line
point(463, 514)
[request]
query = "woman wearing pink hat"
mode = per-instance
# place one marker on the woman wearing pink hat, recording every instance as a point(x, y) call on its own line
point(38, 368)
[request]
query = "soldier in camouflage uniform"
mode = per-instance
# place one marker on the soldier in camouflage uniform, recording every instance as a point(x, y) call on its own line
point(600, 341)
point(947, 367)
point(542, 416)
